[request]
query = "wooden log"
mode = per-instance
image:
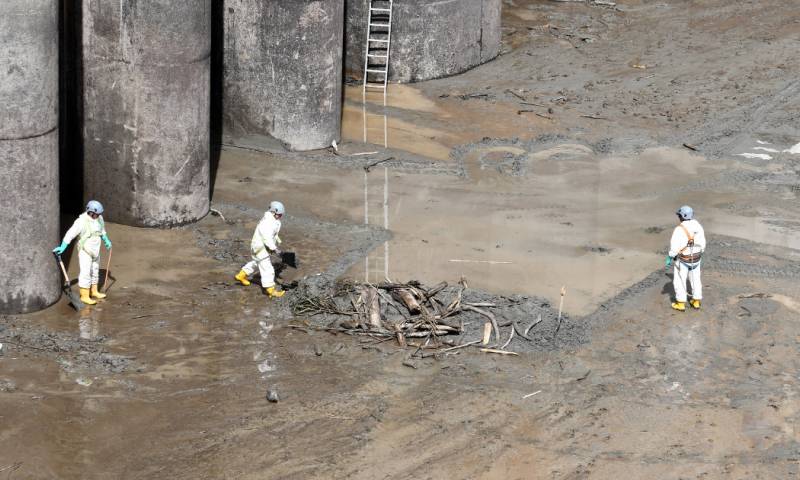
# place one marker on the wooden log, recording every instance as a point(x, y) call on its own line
point(487, 333)
point(405, 296)
point(438, 288)
point(450, 322)
point(374, 309)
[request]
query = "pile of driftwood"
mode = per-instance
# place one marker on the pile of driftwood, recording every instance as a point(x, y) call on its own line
point(411, 314)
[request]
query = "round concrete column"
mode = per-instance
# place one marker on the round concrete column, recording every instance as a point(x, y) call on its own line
point(430, 38)
point(146, 82)
point(29, 210)
point(283, 71)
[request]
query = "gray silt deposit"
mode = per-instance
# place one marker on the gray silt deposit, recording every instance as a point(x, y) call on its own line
point(430, 39)
point(28, 154)
point(283, 71)
point(146, 86)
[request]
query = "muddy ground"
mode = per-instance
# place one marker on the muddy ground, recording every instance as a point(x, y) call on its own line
point(558, 164)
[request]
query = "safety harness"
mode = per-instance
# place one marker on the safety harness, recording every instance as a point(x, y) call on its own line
point(88, 232)
point(691, 260)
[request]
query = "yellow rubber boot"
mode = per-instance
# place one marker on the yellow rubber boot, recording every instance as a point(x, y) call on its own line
point(85, 298)
point(679, 306)
point(695, 304)
point(275, 293)
point(96, 293)
point(242, 277)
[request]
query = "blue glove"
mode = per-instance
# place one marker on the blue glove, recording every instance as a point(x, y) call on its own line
point(668, 261)
point(61, 248)
point(106, 241)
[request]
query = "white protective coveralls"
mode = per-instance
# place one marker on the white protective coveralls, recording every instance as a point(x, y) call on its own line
point(265, 240)
point(683, 270)
point(89, 232)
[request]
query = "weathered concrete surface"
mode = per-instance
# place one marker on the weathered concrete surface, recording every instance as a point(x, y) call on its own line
point(430, 39)
point(29, 210)
point(146, 109)
point(283, 71)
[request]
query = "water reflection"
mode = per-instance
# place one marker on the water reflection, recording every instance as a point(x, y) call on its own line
point(89, 324)
point(376, 212)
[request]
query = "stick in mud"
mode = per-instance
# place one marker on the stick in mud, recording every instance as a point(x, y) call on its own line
point(508, 90)
point(488, 315)
point(515, 326)
point(373, 164)
point(217, 213)
point(533, 324)
point(499, 352)
point(560, 307)
point(451, 349)
point(532, 394)
point(510, 337)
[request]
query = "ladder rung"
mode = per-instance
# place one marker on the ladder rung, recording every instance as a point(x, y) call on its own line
point(379, 25)
point(371, 70)
point(378, 40)
point(375, 85)
point(377, 56)
point(376, 9)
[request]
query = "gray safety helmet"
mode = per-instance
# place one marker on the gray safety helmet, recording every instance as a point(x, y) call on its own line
point(277, 208)
point(685, 212)
point(95, 207)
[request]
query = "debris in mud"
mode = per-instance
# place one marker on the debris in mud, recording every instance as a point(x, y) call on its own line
point(217, 213)
point(272, 395)
point(7, 386)
point(73, 353)
point(483, 96)
point(691, 147)
point(598, 249)
point(438, 320)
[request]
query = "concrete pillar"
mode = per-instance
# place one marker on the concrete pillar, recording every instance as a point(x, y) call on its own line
point(430, 38)
point(283, 71)
point(146, 67)
point(29, 210)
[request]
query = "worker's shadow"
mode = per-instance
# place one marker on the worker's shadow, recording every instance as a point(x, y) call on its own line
point(111, 280)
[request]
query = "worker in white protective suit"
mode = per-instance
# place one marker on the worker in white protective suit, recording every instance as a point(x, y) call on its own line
point(265, 243)
point(90, 230)
point(685, 250)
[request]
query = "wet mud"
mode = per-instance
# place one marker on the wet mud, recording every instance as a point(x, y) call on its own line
point(559, 164)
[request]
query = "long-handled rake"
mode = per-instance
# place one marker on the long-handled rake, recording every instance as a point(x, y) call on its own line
point(108, 267)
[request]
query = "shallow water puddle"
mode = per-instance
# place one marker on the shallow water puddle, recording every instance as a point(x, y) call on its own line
point(371, 122)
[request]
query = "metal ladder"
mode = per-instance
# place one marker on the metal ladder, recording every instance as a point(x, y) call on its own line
point(379, 42)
